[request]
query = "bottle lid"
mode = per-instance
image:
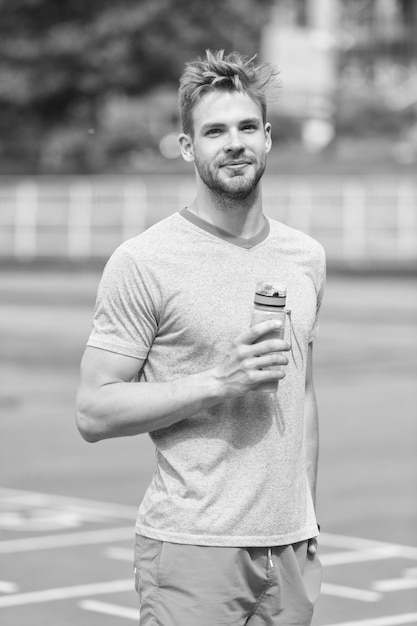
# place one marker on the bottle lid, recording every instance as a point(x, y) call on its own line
point(270, 293)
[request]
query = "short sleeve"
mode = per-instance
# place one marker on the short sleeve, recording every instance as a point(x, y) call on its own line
point(126, 314)
point(320, 266)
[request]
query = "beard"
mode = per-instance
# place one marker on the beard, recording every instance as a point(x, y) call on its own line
point(234, 185)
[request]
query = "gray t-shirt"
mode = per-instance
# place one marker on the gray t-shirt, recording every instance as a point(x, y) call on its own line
point(176, 296)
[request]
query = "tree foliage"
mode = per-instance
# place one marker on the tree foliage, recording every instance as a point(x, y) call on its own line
point(62, 60)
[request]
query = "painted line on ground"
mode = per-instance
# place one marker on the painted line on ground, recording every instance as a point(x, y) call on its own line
point(408, 581)
point(356, 543)
point(411, 572)
point(8, 587)
point(47, 542)
point(34, 498)
point(64, 593)
point(110, 609)
point(49, 519)
point(350, 592)
point(119, 554)
point(389, 620)
point(358, 556)
point(395, 584)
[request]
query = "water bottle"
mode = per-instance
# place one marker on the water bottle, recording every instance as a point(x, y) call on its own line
point(269, 304)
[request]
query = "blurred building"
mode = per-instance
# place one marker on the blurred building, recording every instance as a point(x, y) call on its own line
point(336, 52)
point(363, 222)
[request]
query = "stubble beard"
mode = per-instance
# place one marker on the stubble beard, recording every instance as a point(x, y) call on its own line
point(237, 187)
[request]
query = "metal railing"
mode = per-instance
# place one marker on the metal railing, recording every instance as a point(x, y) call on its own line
point(359, 220)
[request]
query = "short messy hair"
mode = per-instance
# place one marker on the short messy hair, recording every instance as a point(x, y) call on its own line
point(217, 71)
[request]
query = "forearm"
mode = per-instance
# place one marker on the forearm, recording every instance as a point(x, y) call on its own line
point(312, 441)
point(122, 409)
point(108, 405)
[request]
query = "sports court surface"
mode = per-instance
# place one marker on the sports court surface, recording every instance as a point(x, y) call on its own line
point(67, 508)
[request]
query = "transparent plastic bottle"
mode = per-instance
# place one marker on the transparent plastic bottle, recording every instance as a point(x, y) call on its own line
point(269, 304)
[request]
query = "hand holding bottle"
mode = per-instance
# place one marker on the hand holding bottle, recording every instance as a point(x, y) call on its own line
point(269, 304)
point(247, 365)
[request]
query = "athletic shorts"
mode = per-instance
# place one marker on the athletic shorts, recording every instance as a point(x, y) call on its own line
point(188, 585)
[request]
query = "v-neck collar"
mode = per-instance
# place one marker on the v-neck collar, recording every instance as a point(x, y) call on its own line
point(241, 242)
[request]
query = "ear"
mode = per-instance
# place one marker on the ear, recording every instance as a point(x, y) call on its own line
point(268, 137)
point(187, 147)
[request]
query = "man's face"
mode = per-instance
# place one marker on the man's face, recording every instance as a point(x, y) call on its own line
point(230, 143)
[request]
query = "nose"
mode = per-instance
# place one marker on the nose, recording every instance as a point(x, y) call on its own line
point(234, 142)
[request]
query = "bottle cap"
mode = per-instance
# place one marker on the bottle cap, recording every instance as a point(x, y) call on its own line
point(270, 293)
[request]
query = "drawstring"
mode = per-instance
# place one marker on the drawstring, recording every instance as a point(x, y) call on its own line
point(271, 563)
point(292, 334)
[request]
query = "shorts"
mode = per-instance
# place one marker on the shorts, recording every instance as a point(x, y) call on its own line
point(188, 585)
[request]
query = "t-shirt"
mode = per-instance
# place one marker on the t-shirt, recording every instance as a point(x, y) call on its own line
point(176, 296)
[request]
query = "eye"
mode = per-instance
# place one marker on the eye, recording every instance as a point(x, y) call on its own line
point(250, 127)
point(213, 132)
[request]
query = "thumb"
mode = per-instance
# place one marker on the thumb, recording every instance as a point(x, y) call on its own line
point(312, 545)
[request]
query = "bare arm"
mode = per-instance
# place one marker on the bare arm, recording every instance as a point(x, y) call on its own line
point(311, 418)
point(108, 405)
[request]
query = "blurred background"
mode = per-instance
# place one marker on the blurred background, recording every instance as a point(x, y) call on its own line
point(89, 158)
point(88, 120)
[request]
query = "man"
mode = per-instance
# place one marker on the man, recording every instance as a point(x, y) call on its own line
point(226, 531)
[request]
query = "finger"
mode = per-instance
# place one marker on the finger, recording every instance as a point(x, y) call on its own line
point(268, 346)
point(312, 546)
point(256, 331)
point(272, 359)
point(260, 377)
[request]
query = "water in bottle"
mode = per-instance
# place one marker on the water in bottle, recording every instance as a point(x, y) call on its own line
point(269, 304)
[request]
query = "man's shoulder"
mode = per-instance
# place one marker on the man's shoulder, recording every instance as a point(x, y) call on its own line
point(295, 237)
point(145, 249)
point(159, 240)
point(157, 234)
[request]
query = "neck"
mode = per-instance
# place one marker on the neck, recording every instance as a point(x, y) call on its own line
point(240, 217)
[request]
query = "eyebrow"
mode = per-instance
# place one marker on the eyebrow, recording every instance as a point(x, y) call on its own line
point(250, 120)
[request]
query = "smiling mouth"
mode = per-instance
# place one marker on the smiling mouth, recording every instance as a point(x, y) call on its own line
point(235, 164)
